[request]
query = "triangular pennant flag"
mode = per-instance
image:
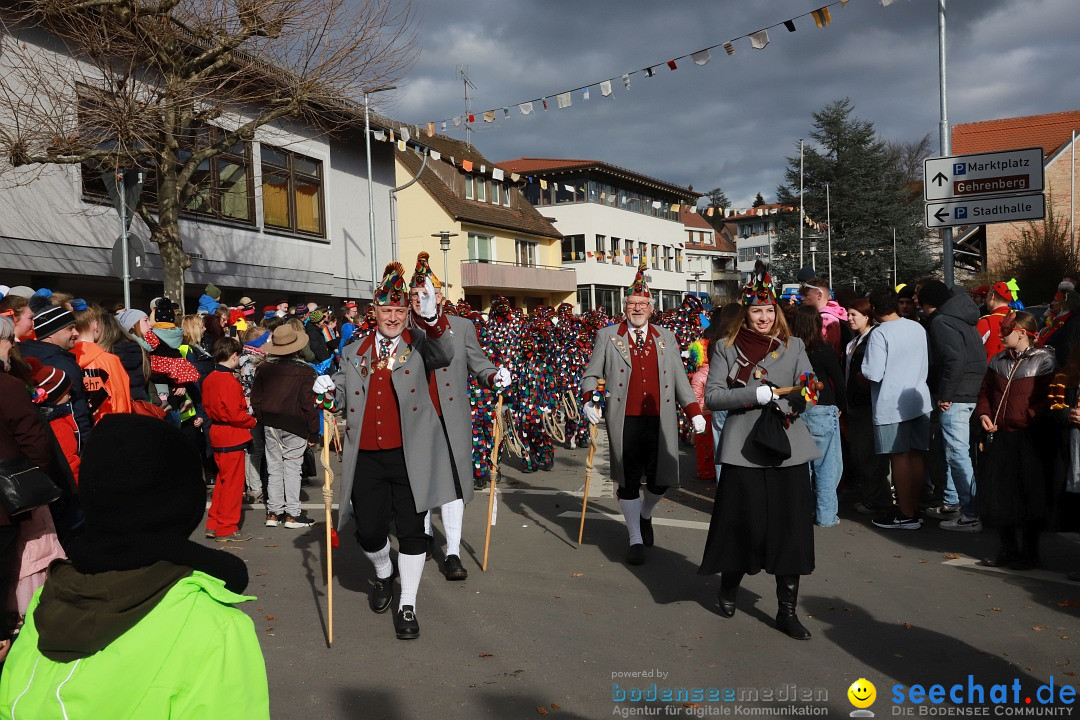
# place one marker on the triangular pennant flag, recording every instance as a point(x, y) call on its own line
point(701, 57)
point(489, 116)
point(525, 108)
point(506, 113)
point(403, 133)
point(466, 165)
point(693, 209)
point(472, 117)
point(483, 169)
point(675, 207)
point(790, 25)
point(821, 16)
point(392, 139)
point(843, 3)
point(401, 145)
point(648, 72)
point(759, 39)
point(569, 188)
point(709, 212)
point(671, 64)
point(563, 99)
point(626, 81)
point(585, 94)
point(887, 3)
point(605, 88)
point(457, 122)
point(430, 129)
point(444, 126)
point(436, 155)
point(544, 101)
point(514, 177)
point(379, 135)
point(543, 184)
point(453, 160)
point(497, 174)
point(656, 204)
point(729, 48)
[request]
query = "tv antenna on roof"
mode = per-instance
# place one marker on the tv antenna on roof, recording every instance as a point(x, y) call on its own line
point(463, 70)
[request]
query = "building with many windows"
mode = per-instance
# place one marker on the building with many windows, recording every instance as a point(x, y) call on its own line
point(498, 243)
point(755, 237)
point(709, 260)
point(611, 219)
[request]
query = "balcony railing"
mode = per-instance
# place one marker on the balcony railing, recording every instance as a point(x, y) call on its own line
point(511, 276)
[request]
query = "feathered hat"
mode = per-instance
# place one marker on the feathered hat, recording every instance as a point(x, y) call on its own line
point(391, 291)
point(759, 291)
point(639, 287)
point(423, 271)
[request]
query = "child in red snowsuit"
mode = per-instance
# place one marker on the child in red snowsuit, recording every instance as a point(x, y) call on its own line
point(230, 436)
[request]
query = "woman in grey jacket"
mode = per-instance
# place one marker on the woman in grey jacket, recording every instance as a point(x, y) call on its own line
point(764, 511)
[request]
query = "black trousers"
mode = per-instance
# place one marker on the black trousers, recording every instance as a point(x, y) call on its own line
point(641, 443)
point(381, 493)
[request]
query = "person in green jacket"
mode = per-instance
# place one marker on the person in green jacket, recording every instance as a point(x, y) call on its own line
point(140, 622)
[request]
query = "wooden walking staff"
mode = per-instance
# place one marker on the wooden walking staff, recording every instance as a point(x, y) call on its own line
point(328, 498)
point(494, 475)
point(589, 464)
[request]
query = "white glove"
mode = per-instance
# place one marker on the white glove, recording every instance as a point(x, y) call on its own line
point(765, 395)
point(593, 413)
point(323, 384)
point(502, 378)
point(429, 308)
point(699, 424)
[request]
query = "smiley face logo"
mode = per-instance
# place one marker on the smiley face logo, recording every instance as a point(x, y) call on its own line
point(862, 693)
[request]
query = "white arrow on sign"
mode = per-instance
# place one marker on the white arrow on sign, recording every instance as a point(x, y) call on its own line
point(983, 174)
point(984, 211)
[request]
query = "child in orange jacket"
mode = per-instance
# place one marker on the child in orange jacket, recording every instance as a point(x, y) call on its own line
point(230, 435)
point(107, 385)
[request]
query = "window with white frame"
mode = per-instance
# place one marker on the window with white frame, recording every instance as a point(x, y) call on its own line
point(525, 253)
point(573, 248)
point(480, 247)
point(601, 248)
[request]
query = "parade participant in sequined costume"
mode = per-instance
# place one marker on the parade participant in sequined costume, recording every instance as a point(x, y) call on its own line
point(537, 392)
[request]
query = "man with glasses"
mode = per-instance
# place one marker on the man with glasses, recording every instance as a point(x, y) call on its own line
point(645, 379)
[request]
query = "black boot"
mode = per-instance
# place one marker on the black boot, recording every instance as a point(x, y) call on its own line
point(787, 596)
point(1028, 558)
point(729, 588)
point(1008, 552)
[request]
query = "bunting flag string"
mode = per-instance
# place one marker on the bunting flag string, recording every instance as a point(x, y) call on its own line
point(759, 39)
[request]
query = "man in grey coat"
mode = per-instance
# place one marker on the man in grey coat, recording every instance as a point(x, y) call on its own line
point(396, 465)
point(450, 395)
point(645, 380)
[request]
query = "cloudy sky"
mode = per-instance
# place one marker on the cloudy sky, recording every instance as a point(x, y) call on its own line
point(733, 121)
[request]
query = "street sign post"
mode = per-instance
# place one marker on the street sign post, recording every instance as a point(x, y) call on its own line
point(980, 211)
point(983, 174)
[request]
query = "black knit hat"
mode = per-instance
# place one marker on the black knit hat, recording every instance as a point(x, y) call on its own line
point(934, 293)
point(140, 476)
point(49, 318)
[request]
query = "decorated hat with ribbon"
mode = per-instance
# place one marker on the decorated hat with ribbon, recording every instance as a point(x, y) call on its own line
point(639, 288)
point(759, 291)
point(423, 271)
point(391, 291)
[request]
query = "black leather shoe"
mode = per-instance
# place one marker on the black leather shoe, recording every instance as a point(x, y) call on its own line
point(646, 532)
point(453, 569)
point(636, 555)
point(382, 592)
point(406, 624)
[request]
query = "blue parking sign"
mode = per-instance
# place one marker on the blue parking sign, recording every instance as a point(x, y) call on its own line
point(960, 213)
point(959, 168)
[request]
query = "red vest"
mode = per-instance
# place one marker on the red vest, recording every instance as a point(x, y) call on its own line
point(381, 428)
point(643, 387)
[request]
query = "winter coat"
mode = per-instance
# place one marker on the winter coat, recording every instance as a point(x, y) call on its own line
point(22, 430)
point(131, 357)
point(783, 367)
point(67, 434)
point(1028, 398)
point(827, 369)
point(53, 356)
point(141, 644)
point(106, 382)
point(957, 359)
point(316, 341)
point(858, 387)
point(989, 329)
point(611, 361)
point(208, 305)
point(282, 397)
point(225, 405)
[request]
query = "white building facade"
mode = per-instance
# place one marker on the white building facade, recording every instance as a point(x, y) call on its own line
point(611, 219)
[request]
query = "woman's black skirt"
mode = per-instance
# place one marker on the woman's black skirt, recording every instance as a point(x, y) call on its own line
point(763, 518)
point(1014, 476)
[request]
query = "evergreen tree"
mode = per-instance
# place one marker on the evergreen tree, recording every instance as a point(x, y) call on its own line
point(759, 200)
point(869, 194)
point(717, 198)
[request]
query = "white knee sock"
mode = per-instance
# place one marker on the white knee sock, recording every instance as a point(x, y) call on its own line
point(631, 510)
point(452, 513)
point(381, 560)
point(411, 568)
point(649, 504)
point(427, 524)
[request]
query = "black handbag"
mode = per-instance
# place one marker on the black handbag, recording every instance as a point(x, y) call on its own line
point(24, 486)
point(770, 433)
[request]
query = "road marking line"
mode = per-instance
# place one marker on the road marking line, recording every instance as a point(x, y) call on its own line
point(670, 522)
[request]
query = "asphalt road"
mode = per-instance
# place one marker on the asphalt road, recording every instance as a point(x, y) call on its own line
point(557, 630)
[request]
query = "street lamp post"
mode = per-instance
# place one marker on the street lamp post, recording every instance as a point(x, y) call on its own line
point(444, 244)
point(813, 254)
point(696, 274)
point(370, 196)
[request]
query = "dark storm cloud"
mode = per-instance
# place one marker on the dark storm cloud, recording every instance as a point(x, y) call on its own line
point(733, 121)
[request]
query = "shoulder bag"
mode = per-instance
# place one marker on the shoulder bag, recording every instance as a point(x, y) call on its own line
point(24, 486)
